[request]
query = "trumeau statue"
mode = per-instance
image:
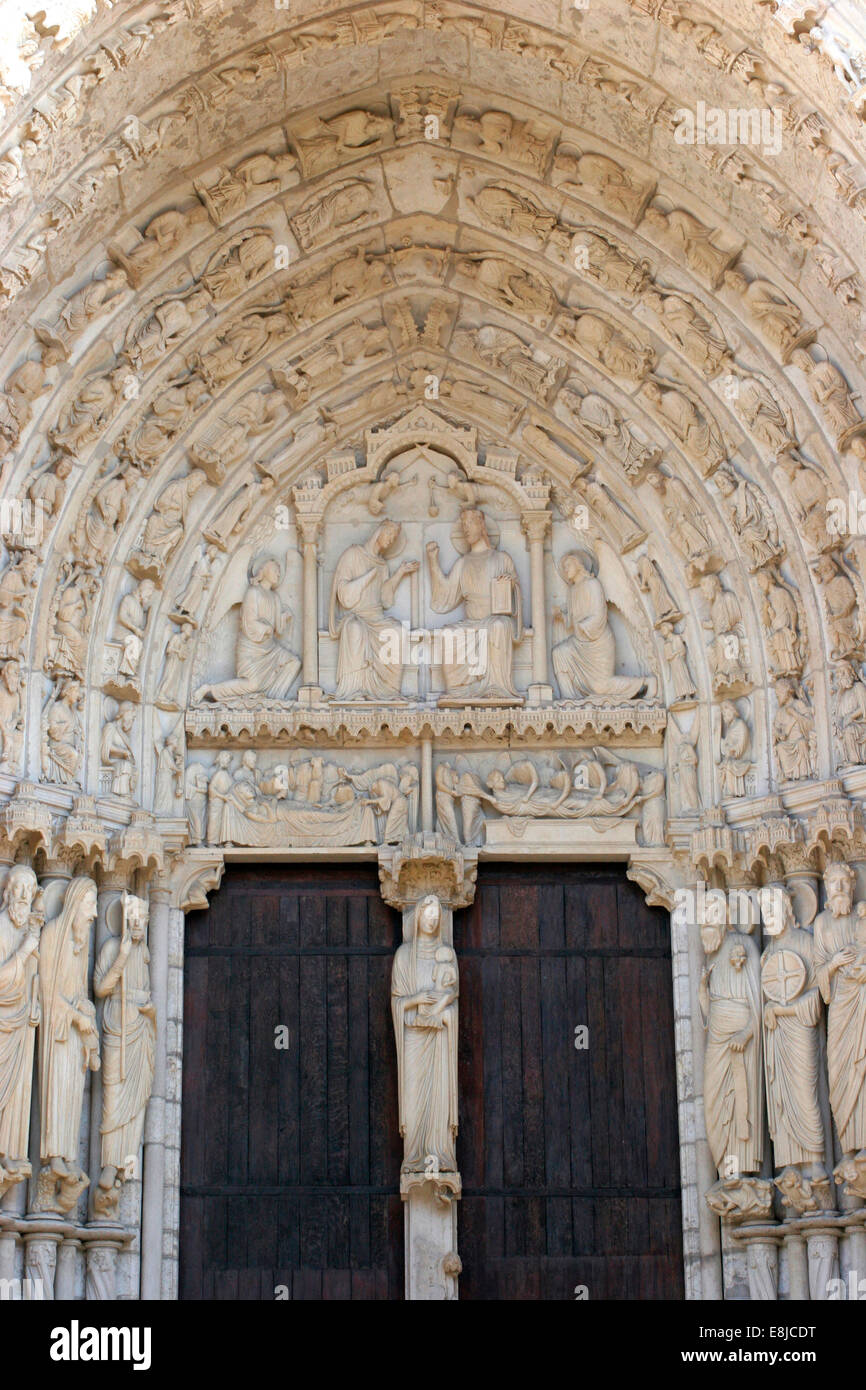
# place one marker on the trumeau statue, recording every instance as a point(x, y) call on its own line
point(20, 925)
point(792, 1013)
point(584, 662)
point(361, 591)
point(121, 978)
point(424, 990)
point(265, 667)
point(68, 1043)
point(485, 581)
point(731, 1004)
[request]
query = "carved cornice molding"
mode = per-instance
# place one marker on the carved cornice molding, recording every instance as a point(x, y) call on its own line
point(216, 726)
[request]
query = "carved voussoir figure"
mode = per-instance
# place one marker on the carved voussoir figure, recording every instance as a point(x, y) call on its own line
point(424, 991)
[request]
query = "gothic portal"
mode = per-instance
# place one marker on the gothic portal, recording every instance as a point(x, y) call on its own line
point(432, 627)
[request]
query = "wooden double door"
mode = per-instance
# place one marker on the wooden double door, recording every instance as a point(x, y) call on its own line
point(290, 1153)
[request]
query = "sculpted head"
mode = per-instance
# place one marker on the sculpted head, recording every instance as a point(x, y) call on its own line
point(80, 901)
point(738, 956)
point(824, 568)
point(839, 884)
point(712, 934)
point(709, 587)
point(428, 916)
point(138, 913)
point(268, 574)
point(474, 526)
point(12, 676)
point(126, 716)
point(575, 567)
point(777, 910)
point(386, 537)
point(18, 893)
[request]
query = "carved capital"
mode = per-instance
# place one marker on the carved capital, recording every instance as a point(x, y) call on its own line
point(536, 525)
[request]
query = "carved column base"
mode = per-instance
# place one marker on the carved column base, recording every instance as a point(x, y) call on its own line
point(309, 695)
point(539, 694)
point(432, 1262)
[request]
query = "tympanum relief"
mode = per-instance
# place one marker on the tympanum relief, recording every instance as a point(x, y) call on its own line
point(615, 621)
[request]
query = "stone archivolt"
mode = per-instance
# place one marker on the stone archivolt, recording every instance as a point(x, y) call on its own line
point(417, 314)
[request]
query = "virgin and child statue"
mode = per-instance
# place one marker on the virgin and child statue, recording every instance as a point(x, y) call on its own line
point(424, 990)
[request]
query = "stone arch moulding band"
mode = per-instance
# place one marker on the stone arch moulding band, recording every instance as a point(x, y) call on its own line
point(425, 440)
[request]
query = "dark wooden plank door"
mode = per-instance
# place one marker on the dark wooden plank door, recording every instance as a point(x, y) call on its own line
point(290, 1157)
point(570, 1158)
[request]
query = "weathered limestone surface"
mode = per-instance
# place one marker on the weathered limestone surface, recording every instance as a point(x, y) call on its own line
point(413, 446)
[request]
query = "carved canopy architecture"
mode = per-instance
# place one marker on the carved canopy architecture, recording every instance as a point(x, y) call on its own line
point(414, 448)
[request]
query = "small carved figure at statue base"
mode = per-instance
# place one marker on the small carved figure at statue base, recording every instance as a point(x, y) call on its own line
point(59, 1185)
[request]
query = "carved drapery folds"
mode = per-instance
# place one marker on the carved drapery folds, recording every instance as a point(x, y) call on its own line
point(424, 469)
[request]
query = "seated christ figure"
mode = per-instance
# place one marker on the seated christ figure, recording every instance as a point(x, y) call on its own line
point(484, 581)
